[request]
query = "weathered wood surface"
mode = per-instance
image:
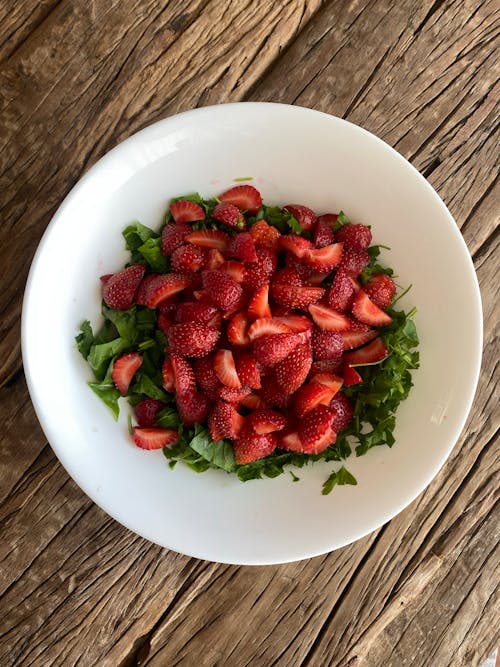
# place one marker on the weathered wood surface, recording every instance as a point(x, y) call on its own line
point(76, 587)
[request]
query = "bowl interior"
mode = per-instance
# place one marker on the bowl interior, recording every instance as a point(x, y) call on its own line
point(294, 155)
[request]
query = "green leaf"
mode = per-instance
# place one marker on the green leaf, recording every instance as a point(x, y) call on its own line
point(282, 219)
point(218, 454)
point(152, 255)
point(168, 418)
point(340, 478)
point(108, 393)
point(144, 385)
point(85, 339)
point(136, 235)
point(342, 220)
point(294, 225)
point(124, 322)
point(101, 355)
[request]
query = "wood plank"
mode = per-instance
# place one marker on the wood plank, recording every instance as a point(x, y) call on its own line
point(19, 20)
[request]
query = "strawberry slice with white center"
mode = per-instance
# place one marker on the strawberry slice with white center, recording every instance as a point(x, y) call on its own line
point(311, 394)
point(164, 286)
point(124, 369)
point(253, 402)
point(296, 297)
point(296, 245)
point(265, 326)
point(351, 376)
point(186, 211)
point(373, 353)
point(245, 197)
point(224, 421)
point(259, 303)
point(291, 442)
point(215, 259)
point(234, 269)
point(237, 330)
point(328, 319)
point(297, 323)
point(323, 259)
point(267, 421)
point(328, 379)
point(209, 238)
point(167, 373)
point(357, 335)
point(154, 438)
point(366, 311)
point(225, 369)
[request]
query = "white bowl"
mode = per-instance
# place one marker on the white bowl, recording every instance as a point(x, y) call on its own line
point(295, 155)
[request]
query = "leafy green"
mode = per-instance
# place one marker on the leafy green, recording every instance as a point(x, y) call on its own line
point(278, 217)
point(124, 322)
point(341, 477)
point(85, 339)
point(168, 418)
point(151, 253)
point(144, 385)
point(218, 454)
point(101, 355)
point(108, 393)
point(374, 267)
point(342, 220)
point(136, 235)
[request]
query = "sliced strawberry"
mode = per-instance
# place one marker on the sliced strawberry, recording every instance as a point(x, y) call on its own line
point(296, 245)
point(351, 376)
point(242, 247)
point(188, 259)
point(315, 430)
point(251, 447)
point(330, 380)
point(206, 378)
point(380, 288)
point(357, 237)
point(224, 422)
point(311, 394)
point(323, 234)
point(326, 366)
point(305, 216)
point(215, 322)
point(164, 286)
point(328, 319)
point(237, 330)
point(326, 344)
point(195, 311)
point(272, 392)
point(315, 278)
point(184, 380)
point(265, 326)
point(246, 369)
point(323, 259)
point(296, 297)
point(104, 279)
point(343, 411)
point(245, 197)
point(224, 291)
point(353, 261)
point(119, 290)
point(192, 339)
point(193, 407)
point(367, 312)
point(294, 262)
point(124, 369)
point(291, 442)
point(234, 269)
point(265, 235)
point(173, 236)
point(292, 371)
point(154, 438)
point(297, 323)
point(341, 293)
point(225, 368)
point(369, 354)
point(147, 410)
point(142, 291)
point(358, 335)
point(271, 349)
point(289, 277)
point(230, 215)
point(167, 373)
point(253, 402)
point(209, 238)
point(186, 211)
point(214, 259)
point(259, 303)
point(267, 421)
point(233, 394)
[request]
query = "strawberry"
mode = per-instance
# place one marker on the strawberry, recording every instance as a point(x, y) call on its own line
point(323, 234)
point(315, 430)
point(247, 370)
point(292, 371)
point(119, 290)
point(368, 354)
point(154, 438)
point(353, 261)
point(124, 369)
point(259, 303)
point(328, 319)
point(265, 235)
point(193, 407)
point(367, 312)
point(147, 410)
point(234, 269)
point(209, 238)
point(341, 293)
point(206, 378)
point(230, 215)
point(195, 311)
point(225, 369)
point(272, 393)
point(173, 236)
point(214, 259)
point(258, 273)
point(265, 326)
point(167, 373)
point(188, 259)
point(290, 441)
point(358, 334)
point(245, 197)
point(269, 350)
point(315, 278)
point(242, 247)
point(325, 366)
point(330, 380)
point(296, 245)
point(164, 286)
point(351, 376)
point(192, 339)
point(142, 291)
point(266, 421)
point(343, 411)
point(184, 380)
point(296, 297)
point(323, 259)
point(311, 394)
point(326, 345)
point(237, 330)
point(357, 237)
point(305, 216)
point(253, 402)
point(224, 422)
point(233, 394)
point(250, 446)
point(289, 277)
point(224, 291)
point(297, 323)
point(186, 211)
point(296, 263)
point(380, 288)
point(104, 279)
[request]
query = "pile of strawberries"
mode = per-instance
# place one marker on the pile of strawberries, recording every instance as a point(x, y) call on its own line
point(263, 329)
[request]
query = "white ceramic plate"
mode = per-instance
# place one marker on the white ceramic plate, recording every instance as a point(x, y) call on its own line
point(295, 155)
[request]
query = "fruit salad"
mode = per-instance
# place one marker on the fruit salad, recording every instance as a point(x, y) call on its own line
point(249, 338)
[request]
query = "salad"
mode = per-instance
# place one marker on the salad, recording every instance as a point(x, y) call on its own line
point(249, 338)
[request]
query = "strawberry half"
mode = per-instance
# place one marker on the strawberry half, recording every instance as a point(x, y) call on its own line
point(234, 269)
point(119, 289)
point(225, 369)
point(195, 311)
point(124, 369)
point(266, 421)
point(191, 339)
point(167, 374)
point(247, 370)
point(368, 354)
point(209, 238)
point(328, 319)
point(237, 330)
point(296, 297)
point(323, 259)
point(253, 402)
point(291, 442)
point(305, 216)
point(297, 323)
point(357, 237)
point(173, 236)
point(265, 326)
point(224, 291)
point(193, 407)
point(296, 245)
point(154, 438)
point(271, 349)
point(184, 380)
point(245, 197)
point(230, 215)
point(265, 235)
point(215, 259)
point(250, 446)
point(147, 410)
point(343, 411)
point(186, 211)
point(367, 312)
point(233, 394)
point(242, 247)
point(341, 293)
point(358, 335)
point(351, 376)
point(224, 421)
point(188, 259)
point(329, 380)
point(326, 344)
point(259, 303)
point(323, 234)
point(311, 394)
point(206, 377)
point(380, 288)
point(164, 286)
point(293, 370)
point(315, 430)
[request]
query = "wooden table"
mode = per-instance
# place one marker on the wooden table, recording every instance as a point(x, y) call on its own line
point(79, 76)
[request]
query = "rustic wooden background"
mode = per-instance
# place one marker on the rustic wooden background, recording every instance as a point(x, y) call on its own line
point(78, 76)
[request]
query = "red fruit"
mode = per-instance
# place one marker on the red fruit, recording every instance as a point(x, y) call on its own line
point(119, 290)
point(193, 407)
point(296, 297)
point(192, 339)
point(265, 235)
point(251, 447)
point(165, 286)
point(315, 430)
point(147, 410)
point(353, 261)
point(234, 269)
point(311, 394)
point(253, 402)
point(380, 288)
point(206, 378)
point(104, 279)
point(351, 376)
point(209, 238)
point(289, 277)
point(269, 350)
point(297, 323)
point(341, 294)
point(323, 234)
point(359, 334)
point(173, 236)
point(142, 291)
point(272, 393)
point(326, 345)
point(154, 438)
point(343, 411)
point(242, 247)
point(290, 442)
point(186, 211)
point(124, 369)
point(246, 369)
point(266, 421)
point(367, 312)
point(214, 259)
point(315, 278)
point(292, 371)
point(323, 259)
point(330, 380)
point(233, 394)
point(168, 378)
point(184, 380)
point(305, 216)
point(195, 311)
point(369, 354)
point(357, 237)
point(188, 259)
point(225, 368)
point(245, 197)
point(230, 215)
point(294, 262)
point(259, 303)
point(224, 422)
point(237, 330)
point(265, 326)
point(325, 366)
point(296, 245)
point(328, 319)
point(224, 291)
